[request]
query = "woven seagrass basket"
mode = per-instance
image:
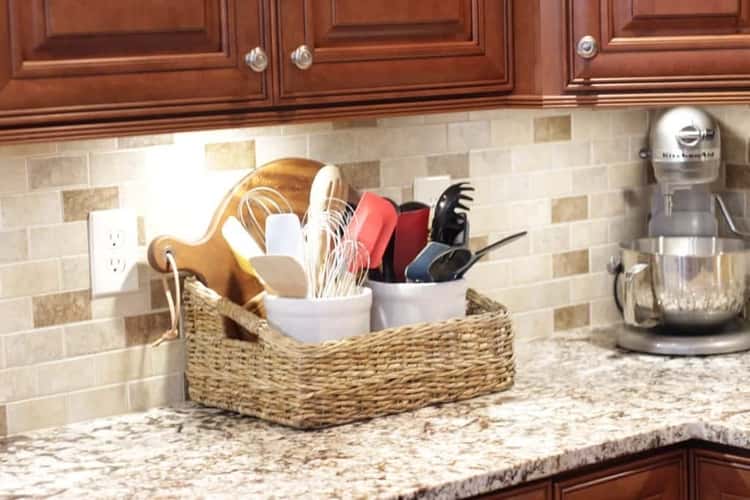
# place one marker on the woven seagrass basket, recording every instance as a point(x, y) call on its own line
point(307, 386)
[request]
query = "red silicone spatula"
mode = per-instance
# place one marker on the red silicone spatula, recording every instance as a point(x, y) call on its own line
point(410, 236)
point(372, 225)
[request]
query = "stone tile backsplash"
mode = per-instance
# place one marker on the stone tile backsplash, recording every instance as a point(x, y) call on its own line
point(572, 178)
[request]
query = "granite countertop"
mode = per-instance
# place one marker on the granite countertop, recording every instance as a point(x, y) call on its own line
point(577, 400)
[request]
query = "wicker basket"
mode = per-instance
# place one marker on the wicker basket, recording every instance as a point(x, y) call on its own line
point(308, 386)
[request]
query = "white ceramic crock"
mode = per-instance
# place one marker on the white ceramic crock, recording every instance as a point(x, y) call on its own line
point(398, 304)
point(318, 320)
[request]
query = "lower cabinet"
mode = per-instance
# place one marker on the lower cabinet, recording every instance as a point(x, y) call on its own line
point(694, 471)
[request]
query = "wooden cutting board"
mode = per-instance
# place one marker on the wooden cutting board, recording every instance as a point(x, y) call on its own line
point(210, 259)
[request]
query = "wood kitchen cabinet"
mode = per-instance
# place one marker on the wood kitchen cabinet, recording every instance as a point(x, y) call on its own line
point(720, 476)
point(667, 45)
point(67, 61)
point(349, 50)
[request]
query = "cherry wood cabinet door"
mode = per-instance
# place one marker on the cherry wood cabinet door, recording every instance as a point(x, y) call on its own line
point(390, 49)
point(537, 491)
point(661, 477)
point(720, 476)
point(67, 60)
point(658, 44)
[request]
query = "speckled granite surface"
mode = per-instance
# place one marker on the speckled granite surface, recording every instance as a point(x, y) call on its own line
point(577, 400)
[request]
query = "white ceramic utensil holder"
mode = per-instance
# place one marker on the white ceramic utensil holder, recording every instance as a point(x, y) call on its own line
point(398, 304)
point(314, 320)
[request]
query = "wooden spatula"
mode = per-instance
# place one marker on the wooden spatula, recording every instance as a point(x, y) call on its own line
point(281, 275)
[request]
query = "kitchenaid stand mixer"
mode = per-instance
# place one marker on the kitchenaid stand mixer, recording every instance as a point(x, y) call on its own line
point(682, 290)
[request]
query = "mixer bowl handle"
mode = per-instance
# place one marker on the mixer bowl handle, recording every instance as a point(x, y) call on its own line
point(629, 304)
point(728, 218)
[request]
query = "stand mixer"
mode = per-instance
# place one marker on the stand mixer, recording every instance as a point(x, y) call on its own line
point(682, 290)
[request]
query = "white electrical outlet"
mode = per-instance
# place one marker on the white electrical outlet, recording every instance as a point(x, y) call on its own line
point(428, 189)
point(113, 242)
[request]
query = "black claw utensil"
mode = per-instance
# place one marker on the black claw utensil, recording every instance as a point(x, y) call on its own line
point(448, 223)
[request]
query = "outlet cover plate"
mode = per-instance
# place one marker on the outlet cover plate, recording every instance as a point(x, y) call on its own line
point(428, 189)
point(113, 245)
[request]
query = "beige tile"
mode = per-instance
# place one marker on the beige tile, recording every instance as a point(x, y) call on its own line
point(401, 121)
point(17, 384)
point(552, 128)
point(97, 403)
point(58, 171)
point(518, 248)
point(27, 149)
point(33, 347)
point(533, 325)
point(735, 148)
point(453, 117)
point(141, 221)
point(67, 375)
point(230, 155)
point(125, 304)
point(88, 145)
point(738, 176)
point(15, 315)
point(13, 174)
point(142, 141)
point(591, 124)
point(606, 204)
point(626, 228)
point(59, 240)
point(550, 239)
point(455, 165)
point(587, 233)
point(36, 414)
point(610, 151)
point(28, 278)
point(550, 156)
point(307, 128)
point(551, 184)
point(631, 122)
point(354, 123)
point(361, 175)
point(569, 209)
point(130, 364)
point(536, 296)
point(567, 318)
point(589, 180)
point(156, 392)
point(600, 255)
point(94, 336)
point(116, 168)
point(490, 162)
point(273, 148)
point(627, 175)
point(13, 246)
point(489, 275)
point(78, 203)
point(3, 422)
point(146, 328)
point(30, 209)
point(463, 137)
point(402, 171)
point(61, 308)
point(604, 312)
point(590, 286)
point(376, 144)
point(74, 272)
point(531, 269)
point(511, 131)
point(335, 147)
point(168, 358)
point(570, 263)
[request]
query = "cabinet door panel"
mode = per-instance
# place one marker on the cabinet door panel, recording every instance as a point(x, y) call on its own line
point(87, 56)
point(393, 48)
point(663, 477)
point(721, 475)
point(660, 44)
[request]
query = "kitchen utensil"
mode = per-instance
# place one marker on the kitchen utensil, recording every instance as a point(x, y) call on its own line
point(314, 320)
point(261, 201)
point(281, 275)
point(448, 223)
point(243, 246)
point(397, 304)
point(210, 258)
point(409, 237)
point(387, 268)
point(684, 283)
point(456, 262)
point(284, 236)
point(418, 271)
point(372, 225)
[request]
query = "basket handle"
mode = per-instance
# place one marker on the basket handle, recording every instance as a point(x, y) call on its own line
point(252, 323)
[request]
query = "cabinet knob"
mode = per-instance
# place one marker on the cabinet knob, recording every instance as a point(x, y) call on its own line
point(302, 57)
point(587, 47)
point(257, 60)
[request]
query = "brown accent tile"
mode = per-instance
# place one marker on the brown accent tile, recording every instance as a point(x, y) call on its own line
point(59, 171)
point(146, 328)
point(230, 155)
point(362, 123)
point(158, 299)
point(141, 230)
point(361, 175)
point(78, 203)
point(142, 141)
point(552, 128)
point(570, 317)
point(570, 209)
point(477, 243)
point(455, 165)
point(3, 421)
point(570, 263)
point(60, 308)
point(738, 176)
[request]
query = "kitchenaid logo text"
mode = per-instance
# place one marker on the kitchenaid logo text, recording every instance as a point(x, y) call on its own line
point(708, 154)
